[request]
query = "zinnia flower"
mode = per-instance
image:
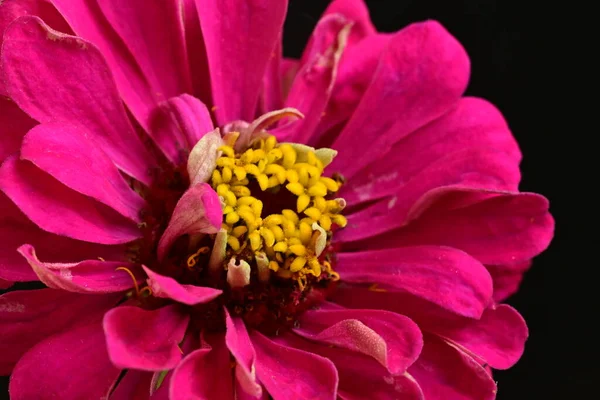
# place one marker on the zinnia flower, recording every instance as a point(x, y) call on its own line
point(214, 221)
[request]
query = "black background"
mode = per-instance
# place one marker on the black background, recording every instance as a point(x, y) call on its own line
point(523, 59)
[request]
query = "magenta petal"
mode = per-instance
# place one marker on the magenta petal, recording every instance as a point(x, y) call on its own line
point(70, 365)
point(444, 276)
point(357, 12)
point(445, 373)
point(502, 229)
point(160, 53)
point(239, 344)
point(143, 339)
point(87, 276)
point(67, 80)
point(204, 374)
point(361, 377)
point(313, 84)
point(65, 153)
point(14, 124)
point(272, 92)
point(507, 278)
point(135, 385)
point(392, 339)
point(421, 75)
point(29, 316)
point(169, 288)
point(197, 211)
point(4, 284)
point(474, 124)
point(178, 124)
point(471, 169)
point(246, 33)
point(196, 52)
point(289, 373)
point(498, 338)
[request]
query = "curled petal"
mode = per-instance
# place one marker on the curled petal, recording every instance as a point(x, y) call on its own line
point(166, 287)
point(238, 342)
point(253, 131)
point(203, 157)
point(197, 211)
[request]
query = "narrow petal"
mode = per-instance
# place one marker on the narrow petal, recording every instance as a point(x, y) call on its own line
point(360, 376)
point(289, 373)
point(178, 124)
point(70, 365)
point(29, 316)
point(160, 53)
point(498, 338)
point(204, 374)
point(501, 229)
point(392, 339)
point(246, 33)
point(60, 210)
point(14, 124)
point(474, 123)
point(89, 276)
point(16, 229)
point(239, 344)
point(444, 276)
point(272, 91)
point(197, 211)
point(169, 288)
point(312, 87)
point(65, 153)
point(203, 157)
point(445, 373)
point(357, 12)
point(87, 21)
point(57, 77)
point(421, 75)
point(145, 339)
point(471, 169)
point(135, 385)
point(196, 50)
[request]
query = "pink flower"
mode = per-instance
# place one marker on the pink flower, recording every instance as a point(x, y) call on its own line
point(156, 176)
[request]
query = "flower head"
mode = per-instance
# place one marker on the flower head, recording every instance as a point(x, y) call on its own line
point(212, 220)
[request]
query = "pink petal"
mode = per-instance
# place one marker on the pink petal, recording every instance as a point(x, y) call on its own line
point(66, 79)
point(160, 53)
point(65, 153)
point(4, 284)
point(239, 344)
point(289, 69)
point(196, 52)
point(445, 373)
point(313, 84)
point(135, 385)
point(204, 374)
point(471, 169)
point(60, 210)
point(433, 69)
point(16, 229)
point(202, 160)
point(87, 276)
point(145, 339)
point(360, 376)
point(392, 339)
point(197, 211)
point(357, 12)
point(13, 9)
point(14, 124)
point(289, 373)
point(87, 20)
point(444, 276)
point(70, 365)
point(507, 278)
point(29, 316)
point(169, 288)
point(178, 124)
point(498, 338)
point(502, 229)
point(355, 72)
point(272, 91)
point(474, 124)
point(246, 33)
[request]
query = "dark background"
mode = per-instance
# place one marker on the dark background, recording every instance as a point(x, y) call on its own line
point(523, 58)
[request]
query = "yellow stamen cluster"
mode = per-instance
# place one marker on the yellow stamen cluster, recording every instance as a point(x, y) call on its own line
point(289, 240)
